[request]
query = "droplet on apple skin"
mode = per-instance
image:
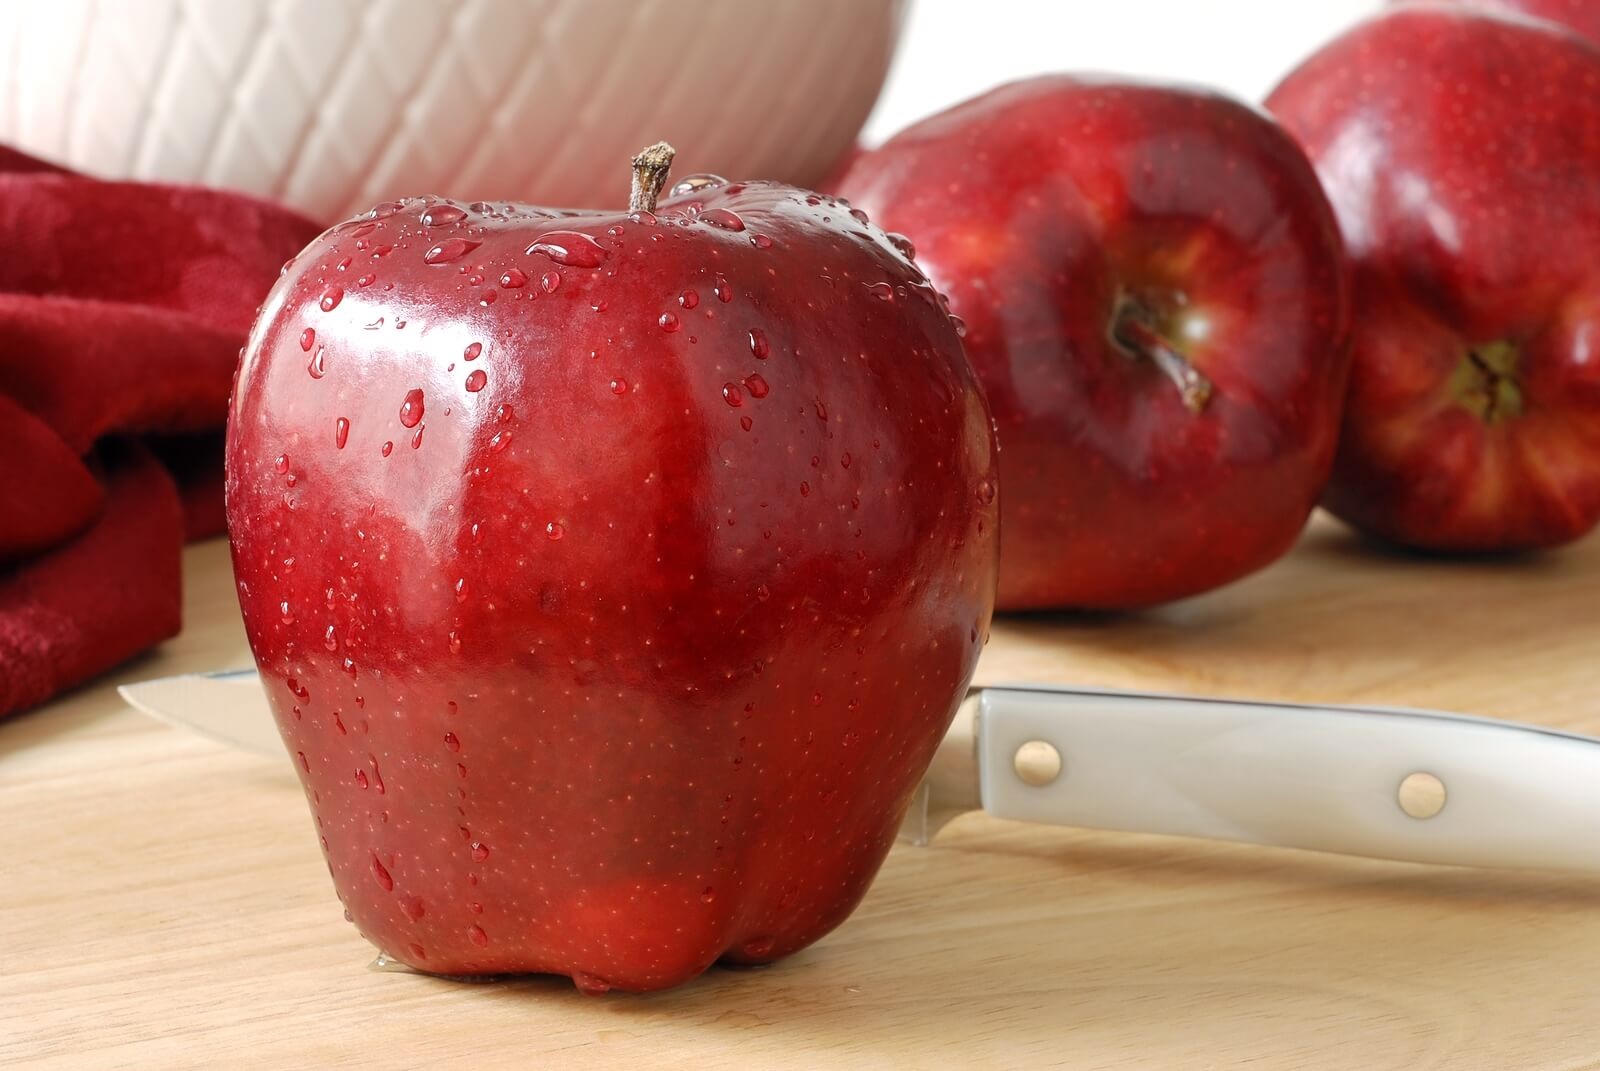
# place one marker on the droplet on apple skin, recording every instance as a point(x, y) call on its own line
point(411, 408)
point(442, 214)
point(722, 219)
point(449, 250)
point(572, 249)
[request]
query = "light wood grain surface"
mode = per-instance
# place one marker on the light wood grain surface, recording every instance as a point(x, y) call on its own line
point(163, 903)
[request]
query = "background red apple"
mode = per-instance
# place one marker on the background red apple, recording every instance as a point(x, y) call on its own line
point(1155, 304)
point(1462, 153)
point(1580, 16)
point(613, 576)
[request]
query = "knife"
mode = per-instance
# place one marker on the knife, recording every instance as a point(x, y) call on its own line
point(1413, 785)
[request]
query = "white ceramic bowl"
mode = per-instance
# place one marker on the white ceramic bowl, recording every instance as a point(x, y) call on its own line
point(331, 105)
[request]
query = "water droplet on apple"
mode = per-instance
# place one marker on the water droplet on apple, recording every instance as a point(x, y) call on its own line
point(746, 423)
point(554, 530)
point(550, 281)
point(341, 432)
point(732, 395)
point(805, 489)
point(330, 639)
point(881, 291)
point(451, 249)
point(648, 219)
point(476, 934)
point(960, 325)
point(442, 214)
point(708, 894)
point(513, 279)
point(985, 491)
point(571, 248)
point(480, 851)
point(308, 338)
point(822, 411)
point(505, 414)
point(453, 640)
point(859, 216)
point(756, 384)
point(722, 219)
point(384, 209)
point(476, 380)
point(416, 440)
point(452, 741)
point(331, 298)
point(461, 596)
point(388, 448)
point(412, 906)
point(361, 779)
point(845, 460)
point(695, 183)
point(619, 386)
point(472, 351)
point(902, 243)
point(282, 464)
point(305, 763)
point(366, 280)
point(668, 321)
point(500, 441)
point(758, 343)
point(721, 288)
point(689, 298)
point(761, 241)
point(411, 408)
point(381, 873)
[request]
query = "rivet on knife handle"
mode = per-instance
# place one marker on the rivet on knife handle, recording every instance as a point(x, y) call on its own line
point(1394, 784)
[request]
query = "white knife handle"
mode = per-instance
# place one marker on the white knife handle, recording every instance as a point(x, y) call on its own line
point(1324, 778)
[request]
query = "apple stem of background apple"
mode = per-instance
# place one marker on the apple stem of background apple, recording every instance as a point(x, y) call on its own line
point(1139, 338)
point(650, 170)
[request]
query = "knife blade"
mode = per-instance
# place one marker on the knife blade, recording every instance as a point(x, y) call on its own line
point(1411, 785)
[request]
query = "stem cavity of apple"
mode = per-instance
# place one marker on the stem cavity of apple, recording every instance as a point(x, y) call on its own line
point(650, 170)
point(1132, 334)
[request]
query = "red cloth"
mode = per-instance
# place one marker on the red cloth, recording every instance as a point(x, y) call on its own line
point(122, 310)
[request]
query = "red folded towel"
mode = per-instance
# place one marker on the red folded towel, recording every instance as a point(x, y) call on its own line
point(122, 310)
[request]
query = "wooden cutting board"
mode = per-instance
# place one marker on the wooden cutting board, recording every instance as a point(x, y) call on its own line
point(163, 903)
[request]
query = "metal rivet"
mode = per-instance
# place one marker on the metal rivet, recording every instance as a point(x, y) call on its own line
point(1037, 763)
point(1421, 795)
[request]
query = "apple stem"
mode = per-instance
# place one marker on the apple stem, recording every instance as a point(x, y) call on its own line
point(1193, 387)
point(650, 169)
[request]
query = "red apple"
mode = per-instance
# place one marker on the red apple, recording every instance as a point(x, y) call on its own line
point(1155, 305)
point(1462, 153)
point(613, 576)
point(1580, 16)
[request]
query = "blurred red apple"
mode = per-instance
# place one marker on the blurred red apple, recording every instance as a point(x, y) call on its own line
point(613, 576)
point(1580, 16)
point(1462, 153)
point(1155, 304)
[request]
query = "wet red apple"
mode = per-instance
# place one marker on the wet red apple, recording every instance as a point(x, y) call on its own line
point(1462, 153)
point(613, 575)
point(1156, 306)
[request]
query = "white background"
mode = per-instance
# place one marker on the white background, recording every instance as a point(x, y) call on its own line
point(954, 49)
